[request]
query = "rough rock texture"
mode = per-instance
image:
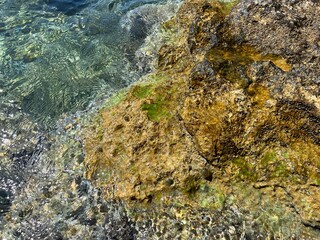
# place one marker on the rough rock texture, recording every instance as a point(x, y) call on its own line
point(227, 126)
point(286, 28)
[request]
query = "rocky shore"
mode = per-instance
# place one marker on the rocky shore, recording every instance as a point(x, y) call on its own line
point(222, 139)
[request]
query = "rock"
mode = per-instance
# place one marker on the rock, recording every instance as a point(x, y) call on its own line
point(226, 128)
point(285, 28)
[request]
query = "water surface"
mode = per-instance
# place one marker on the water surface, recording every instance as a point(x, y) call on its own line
point(58, 60)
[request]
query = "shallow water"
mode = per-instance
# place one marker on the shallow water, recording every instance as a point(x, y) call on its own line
point(54, 63)
point(59, 59)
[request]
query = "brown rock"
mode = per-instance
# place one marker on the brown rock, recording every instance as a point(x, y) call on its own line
point(232, 120)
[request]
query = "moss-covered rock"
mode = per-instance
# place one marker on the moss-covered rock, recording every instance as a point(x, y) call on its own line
point(229, 131)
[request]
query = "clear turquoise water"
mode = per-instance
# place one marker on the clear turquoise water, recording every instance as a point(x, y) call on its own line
point(57, 55)
point(58, 60)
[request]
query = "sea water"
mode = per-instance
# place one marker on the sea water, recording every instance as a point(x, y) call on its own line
point(58, 59)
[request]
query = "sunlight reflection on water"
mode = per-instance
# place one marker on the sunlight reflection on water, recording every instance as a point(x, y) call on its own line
point(56, 57)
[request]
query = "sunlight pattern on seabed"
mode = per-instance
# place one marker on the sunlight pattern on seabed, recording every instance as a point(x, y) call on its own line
point(53, 63)
point(56, 57)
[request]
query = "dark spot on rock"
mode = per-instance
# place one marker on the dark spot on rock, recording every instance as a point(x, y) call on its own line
point(58, 236)
point(126, 118)
point(118, 127)
point(90, 221)
point(133, 198)
point(17, 233)
point(21, 158)
point(112, 6)
point(138, 29)
point(138, 129)
point(80, 158)
point(178, 226)
point(138, 146)
point(25, 30)
point(226, 146)
point(46, 192)
point(99, 150)
point(207, 174)
point(5, 202)
point(24, 212)
point(149, 198)
point(83, 187)
point(169, 182)
point(191, 185)
point(78, 180)
point(103, 208)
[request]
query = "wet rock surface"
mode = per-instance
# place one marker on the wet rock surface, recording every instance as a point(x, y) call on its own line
point(227, 126)
point(285, 28)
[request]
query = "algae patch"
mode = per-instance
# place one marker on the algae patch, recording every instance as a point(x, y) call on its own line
point(142, 91)
point(226, 6)
point(155, 110)
point(243, 56)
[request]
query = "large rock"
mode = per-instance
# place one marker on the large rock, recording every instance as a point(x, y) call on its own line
point(229, 124)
